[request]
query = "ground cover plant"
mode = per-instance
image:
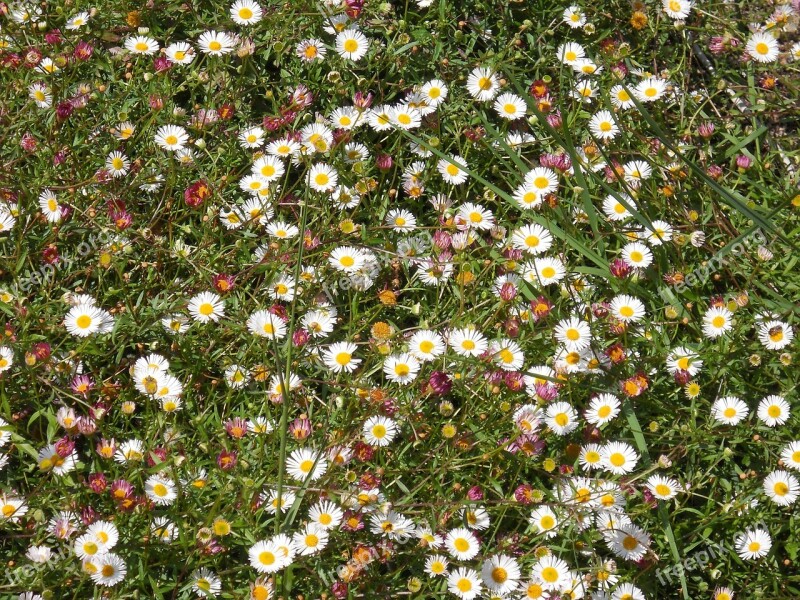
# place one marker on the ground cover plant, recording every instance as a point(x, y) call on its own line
point(415, 299)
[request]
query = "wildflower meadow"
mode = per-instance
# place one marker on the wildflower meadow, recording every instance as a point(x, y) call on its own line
point(424, 299)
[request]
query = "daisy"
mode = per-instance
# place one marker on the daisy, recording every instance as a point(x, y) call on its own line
point(753, 543)
point(723, 593)
point(615, 210)
point(304, 464)
point(436, 565)
point(551, 571)
point(683, 359)
point(117, 164)
point(310, 49)
point(533, 239)
point(124, 130)
point(215, 43)
point(650, 89)
point(110, 570)
point(474, 216)
point(171, 137)
point(345, 118)
point(510, 106)
point(84, 320)
point(322, 178)
point(544, 520)
point(11, 508)
point(585, 91)
point(781, 487)
point(773, 410)
point(573, 333)
point(41, 95)
point(619, 458)
point(426, 345)
point(6, 360)
point(160, 490)
point(77, 21)
point(543, 180)
point(636, 171)
point(637, 255)
point(483, 84)
point(141, 44)
point(762, 47)
point(627, 309)
point(467, 342)
point(591, 457)
point(351, 44)
point(252, 137)
point(206, 306)
point(544, 271)
point(570, 52)
point(561, 418)
point(729, 410)
point(48, 202)
point(663, 488)
point(282, 230)
point(507, 354)
point(310, 540)
point(450, 172)
point(326, 515)
point(464, 583)
point(402, 368)
point(434, 92)
point(629, 542)
point(677, 9)
point(338, 357)
point(347, 259)
point(620, 98)
point(627, 591)
point(586, 66)
point(527, 196)
point(87, 546)
point(658, 233)
point(775, 335)
point(603, 126)
point(206, 583)
point(180, 53)
point(405, 117)
point(790, 455)
point(246, 12)
point(461, 544)
point(501, 574)
point(717, 321)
